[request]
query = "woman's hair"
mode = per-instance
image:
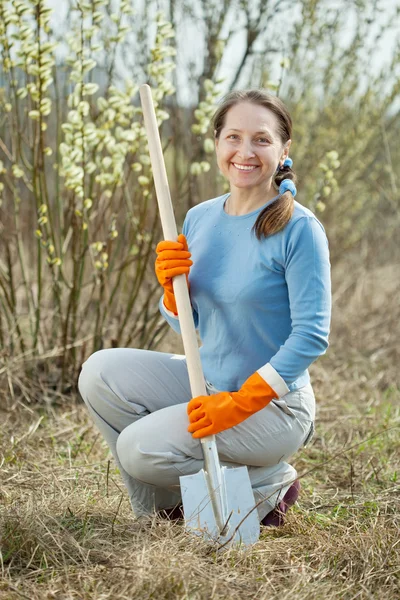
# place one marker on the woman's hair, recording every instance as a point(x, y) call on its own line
point(276, 215)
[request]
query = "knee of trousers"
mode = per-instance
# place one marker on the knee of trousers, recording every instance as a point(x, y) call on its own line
point(90, 376)
point(149, 467)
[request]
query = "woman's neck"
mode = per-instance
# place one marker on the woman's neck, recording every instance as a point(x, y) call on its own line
point(241, 202)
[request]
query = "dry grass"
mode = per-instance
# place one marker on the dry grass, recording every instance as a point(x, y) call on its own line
point(67, 531)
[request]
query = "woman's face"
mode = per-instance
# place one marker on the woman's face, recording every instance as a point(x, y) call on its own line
point(249, 147)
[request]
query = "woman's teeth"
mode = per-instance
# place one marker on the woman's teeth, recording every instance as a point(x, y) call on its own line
point(244, 167)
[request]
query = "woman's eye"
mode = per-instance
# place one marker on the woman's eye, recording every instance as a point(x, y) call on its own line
point(263, 140)
point(233, 136)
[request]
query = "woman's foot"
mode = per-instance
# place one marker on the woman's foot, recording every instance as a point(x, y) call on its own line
point(276, 518)
point(171, 514)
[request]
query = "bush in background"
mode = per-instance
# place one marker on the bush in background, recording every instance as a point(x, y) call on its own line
point(78, 216)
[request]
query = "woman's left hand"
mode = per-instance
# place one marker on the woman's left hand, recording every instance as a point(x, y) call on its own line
point(209, 415)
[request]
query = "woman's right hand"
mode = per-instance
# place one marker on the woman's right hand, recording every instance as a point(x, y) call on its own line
point(173, 258)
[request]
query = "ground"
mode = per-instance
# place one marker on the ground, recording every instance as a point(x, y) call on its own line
point(67, 530)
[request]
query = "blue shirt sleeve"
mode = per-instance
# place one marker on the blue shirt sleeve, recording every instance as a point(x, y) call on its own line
point(172, 320)
point(307, 273)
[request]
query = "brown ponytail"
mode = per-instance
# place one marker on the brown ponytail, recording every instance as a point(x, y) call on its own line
point(276, 215)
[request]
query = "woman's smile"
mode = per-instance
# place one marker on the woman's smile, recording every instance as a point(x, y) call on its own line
point(246, 168)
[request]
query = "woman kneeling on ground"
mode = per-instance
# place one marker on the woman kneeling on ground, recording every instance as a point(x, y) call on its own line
point(259, 279)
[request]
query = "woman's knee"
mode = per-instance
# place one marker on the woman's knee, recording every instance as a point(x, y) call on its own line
point(91, 374)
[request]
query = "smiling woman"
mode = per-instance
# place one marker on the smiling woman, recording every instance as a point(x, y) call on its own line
point(249, 148)
point(253, 132)
point(257, 264)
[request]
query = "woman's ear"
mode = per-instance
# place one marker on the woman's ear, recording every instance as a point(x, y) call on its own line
point(285, 152)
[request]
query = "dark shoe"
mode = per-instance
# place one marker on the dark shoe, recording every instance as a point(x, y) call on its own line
point(171, 514)
point(276, 518)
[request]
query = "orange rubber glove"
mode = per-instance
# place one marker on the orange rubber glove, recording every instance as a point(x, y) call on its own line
point(173, 258)
point(212, 414)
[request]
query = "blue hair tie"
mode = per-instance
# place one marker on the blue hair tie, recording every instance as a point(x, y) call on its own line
point(287, 163)
point(287, 185)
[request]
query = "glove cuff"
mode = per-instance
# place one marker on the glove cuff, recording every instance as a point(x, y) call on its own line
point(169, 303)
point(274, 380)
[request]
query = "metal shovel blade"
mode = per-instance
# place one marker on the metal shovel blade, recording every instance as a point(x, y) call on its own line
point(239, 502)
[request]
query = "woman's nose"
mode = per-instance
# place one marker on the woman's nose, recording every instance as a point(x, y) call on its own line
point(246, 149)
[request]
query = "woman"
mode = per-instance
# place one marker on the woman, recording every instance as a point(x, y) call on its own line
point(259, 277)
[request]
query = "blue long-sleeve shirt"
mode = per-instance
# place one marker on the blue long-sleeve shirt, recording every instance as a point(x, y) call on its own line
point(257, 304)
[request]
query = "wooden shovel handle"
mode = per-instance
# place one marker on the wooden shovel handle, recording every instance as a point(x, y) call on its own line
point(195, 371)
point(197, 384)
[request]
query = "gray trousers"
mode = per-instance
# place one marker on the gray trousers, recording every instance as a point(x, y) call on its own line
point(138, 400)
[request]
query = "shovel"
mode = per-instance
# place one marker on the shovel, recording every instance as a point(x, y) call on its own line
point(218, 502)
